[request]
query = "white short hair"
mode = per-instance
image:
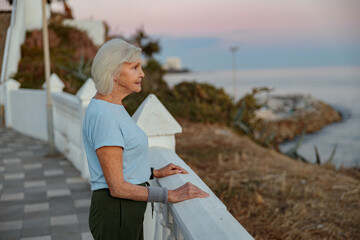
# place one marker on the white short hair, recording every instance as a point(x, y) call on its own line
point(108, 62)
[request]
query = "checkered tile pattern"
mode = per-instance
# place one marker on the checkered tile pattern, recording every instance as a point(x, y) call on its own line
point(42, 198)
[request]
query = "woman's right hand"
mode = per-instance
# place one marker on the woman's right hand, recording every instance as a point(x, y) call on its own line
point(185, 192)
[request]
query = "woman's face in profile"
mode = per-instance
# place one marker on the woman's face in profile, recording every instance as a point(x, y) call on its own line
point(130, 77)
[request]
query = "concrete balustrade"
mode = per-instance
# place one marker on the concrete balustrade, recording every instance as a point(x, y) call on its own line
point(25, 111)
point(197, 218)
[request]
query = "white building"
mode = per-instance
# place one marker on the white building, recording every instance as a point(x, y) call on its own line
point(172, 64)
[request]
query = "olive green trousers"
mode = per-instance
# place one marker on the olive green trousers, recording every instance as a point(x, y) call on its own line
point(115, 218)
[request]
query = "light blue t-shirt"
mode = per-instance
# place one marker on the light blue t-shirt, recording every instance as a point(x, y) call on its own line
point(108, 124)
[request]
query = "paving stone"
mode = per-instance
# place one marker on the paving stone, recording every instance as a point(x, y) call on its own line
point(63, 220)
point(35, 215)
point(12, 160)
point(56, 183)
point(11, 212)
point(10, 225)
point(15, 145)
point(10, 235)
point(2, 169)
point(6, 150)
point(16, 188)
point(32, 166)
point(35, 183)
point(74, 180)
point(81, 195)
point(56, 172)
point(36, 207)
point(13, 168)
point(14, 176)
point(64, 163)
point(11, 196)
point(35, 196)
point(34, 174)
point(84, 221)
point(36, 227)
point(66, 232)
point(86, 236)
point(82, 203)
point(74, 236)
point(24, 153)
point(35, 147)
point(61, 206)
point(58, 193)
point(82, 187)
point(47, 237)
point(52, 165)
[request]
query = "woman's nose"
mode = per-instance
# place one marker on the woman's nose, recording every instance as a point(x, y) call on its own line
point(142, 74)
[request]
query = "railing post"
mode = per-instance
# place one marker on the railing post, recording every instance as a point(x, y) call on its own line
point(85, 93)
point(193, 219)
point(160, 127)
point(158, 124)
point(56, 85)
point(10, 85)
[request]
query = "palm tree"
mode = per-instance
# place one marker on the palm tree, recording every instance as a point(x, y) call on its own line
point(149, 46)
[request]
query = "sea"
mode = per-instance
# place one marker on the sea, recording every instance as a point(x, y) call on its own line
point(337, 86)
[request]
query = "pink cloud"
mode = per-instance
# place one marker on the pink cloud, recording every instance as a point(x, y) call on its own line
point(275, 21)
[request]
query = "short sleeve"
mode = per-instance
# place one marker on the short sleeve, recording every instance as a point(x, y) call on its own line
point(104, 130)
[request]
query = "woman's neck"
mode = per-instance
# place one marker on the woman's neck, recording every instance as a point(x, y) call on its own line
point(111, 98)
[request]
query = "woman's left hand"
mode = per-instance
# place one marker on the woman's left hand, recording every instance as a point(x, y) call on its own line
point(168, 170)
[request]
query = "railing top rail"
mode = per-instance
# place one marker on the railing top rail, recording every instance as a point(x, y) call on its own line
point(66, 100)
point(199, 218)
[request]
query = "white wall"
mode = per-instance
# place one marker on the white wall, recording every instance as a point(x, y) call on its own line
point(33, 14)
point(94, 29)
point(28, 112)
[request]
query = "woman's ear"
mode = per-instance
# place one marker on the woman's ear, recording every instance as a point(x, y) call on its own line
point(115, 78)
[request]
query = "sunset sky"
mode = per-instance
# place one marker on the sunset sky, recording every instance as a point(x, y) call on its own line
point(269, 34)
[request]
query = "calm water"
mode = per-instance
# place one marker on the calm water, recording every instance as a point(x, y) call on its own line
point(339, 87)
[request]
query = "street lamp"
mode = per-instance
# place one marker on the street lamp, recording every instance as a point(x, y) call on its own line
point(233, 51)
point(52, 150)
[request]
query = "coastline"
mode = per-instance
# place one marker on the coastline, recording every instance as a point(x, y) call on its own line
point(271, 195)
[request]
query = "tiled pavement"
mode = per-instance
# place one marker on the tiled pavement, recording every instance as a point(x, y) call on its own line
point(41, 198)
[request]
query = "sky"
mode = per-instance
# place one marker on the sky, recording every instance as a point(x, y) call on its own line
point(269, 34)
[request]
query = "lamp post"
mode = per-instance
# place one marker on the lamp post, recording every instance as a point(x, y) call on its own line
point(233, 51)
point(52, 150)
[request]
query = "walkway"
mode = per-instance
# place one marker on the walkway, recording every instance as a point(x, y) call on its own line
point(41, 198)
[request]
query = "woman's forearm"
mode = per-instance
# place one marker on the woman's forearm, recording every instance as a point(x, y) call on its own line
point(127, 190)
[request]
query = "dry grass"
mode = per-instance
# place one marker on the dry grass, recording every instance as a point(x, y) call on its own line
point(272, 196)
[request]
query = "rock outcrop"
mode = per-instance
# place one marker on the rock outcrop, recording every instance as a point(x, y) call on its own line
point(288, 116)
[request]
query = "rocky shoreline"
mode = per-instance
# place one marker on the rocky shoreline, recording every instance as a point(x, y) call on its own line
point(289, 115)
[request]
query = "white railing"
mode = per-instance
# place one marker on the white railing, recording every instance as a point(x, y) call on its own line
point(198, 218)
point(25, 111)
point(193, 219)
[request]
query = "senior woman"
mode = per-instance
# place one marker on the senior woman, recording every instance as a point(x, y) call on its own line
point(117, 150)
